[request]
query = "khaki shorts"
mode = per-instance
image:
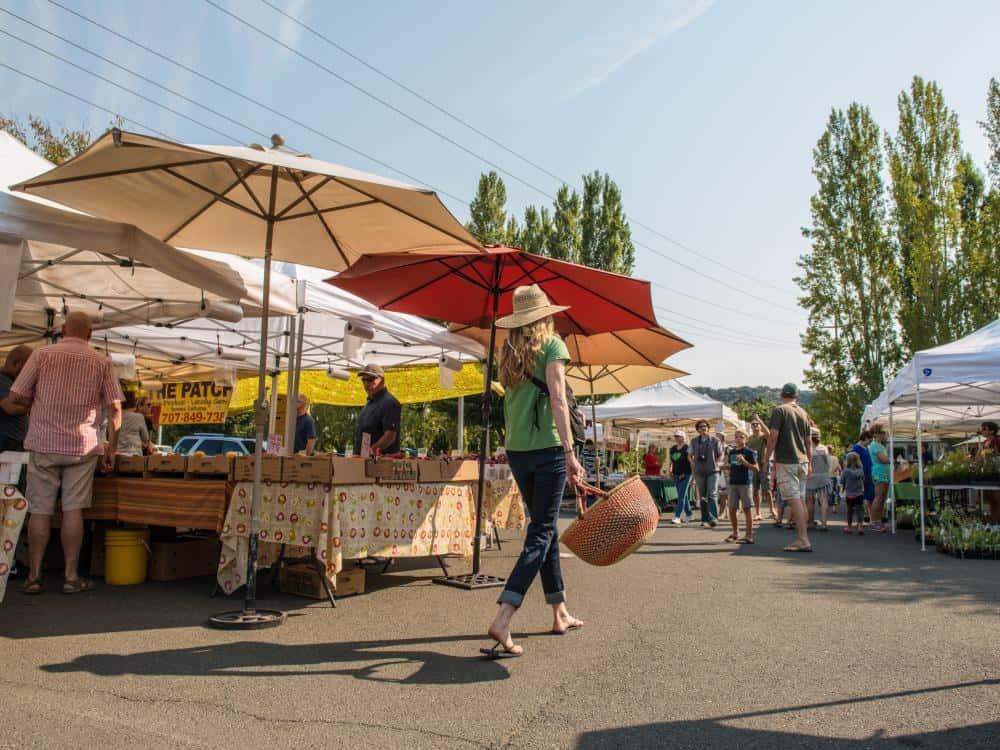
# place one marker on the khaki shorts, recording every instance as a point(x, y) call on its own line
point(739, 496)
point(50, 472)
point(791, 480)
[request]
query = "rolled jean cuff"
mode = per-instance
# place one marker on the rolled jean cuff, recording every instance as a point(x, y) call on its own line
point(510, 597)
point(556, 597)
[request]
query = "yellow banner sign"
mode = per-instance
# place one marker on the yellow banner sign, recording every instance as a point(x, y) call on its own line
point(199, 402)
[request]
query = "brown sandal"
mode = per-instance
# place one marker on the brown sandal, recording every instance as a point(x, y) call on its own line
point(78, 586)
point(32, 587)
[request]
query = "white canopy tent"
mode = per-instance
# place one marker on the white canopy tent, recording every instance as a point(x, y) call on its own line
point(669, 405)
point(947, 390)
point(55, 258)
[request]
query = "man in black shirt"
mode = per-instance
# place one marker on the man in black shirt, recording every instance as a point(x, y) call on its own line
point(380, 416)
point(13, 416)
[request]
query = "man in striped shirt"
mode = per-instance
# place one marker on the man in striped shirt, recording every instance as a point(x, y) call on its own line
point(66, 385)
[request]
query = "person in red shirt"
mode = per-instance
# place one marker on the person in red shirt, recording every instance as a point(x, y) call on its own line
point(652, 461)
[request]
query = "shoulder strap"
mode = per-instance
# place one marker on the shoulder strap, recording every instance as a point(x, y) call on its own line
point(540, 385)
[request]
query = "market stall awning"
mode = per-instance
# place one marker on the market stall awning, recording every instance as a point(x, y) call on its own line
point(410, 385)
point(666, 405)
point(959, 387)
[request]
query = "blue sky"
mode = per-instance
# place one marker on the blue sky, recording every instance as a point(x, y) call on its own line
point(705, 113)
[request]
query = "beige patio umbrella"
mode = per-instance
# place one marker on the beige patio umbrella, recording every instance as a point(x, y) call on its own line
point(252, 201)
point(611, 380)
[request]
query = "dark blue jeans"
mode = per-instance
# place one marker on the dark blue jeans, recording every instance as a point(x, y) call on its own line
point(541, 478)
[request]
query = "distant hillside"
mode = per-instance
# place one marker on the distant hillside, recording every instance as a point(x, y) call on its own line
point(749, 393)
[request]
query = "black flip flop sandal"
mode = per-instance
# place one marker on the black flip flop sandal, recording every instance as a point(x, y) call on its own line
point(492, 654)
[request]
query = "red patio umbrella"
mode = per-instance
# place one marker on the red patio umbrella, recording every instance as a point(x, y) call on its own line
point(477, 289)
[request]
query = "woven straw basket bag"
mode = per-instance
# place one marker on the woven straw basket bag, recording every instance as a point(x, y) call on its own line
point(615, 526)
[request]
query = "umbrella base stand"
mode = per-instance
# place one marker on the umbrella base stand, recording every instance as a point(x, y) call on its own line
point(472, 581)
point(247, 619)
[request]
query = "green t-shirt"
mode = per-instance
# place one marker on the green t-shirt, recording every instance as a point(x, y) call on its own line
point(880, 471)
point(792, 424)
point(758, 443)
point(519, 405)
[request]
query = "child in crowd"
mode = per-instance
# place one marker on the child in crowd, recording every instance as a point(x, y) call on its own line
point(852, 476)
point(742, 460)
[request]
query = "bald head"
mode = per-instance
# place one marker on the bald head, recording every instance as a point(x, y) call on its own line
point(16, 358)
point(77, 326)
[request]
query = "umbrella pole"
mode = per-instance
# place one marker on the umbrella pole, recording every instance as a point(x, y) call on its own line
point(251, 618)
point(593, 421)
point(475, 579)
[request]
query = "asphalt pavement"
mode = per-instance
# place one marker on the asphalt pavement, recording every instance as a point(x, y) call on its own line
point(691, 642)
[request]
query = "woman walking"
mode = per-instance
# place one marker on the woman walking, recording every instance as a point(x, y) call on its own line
point(680, 469)
point(539, 448)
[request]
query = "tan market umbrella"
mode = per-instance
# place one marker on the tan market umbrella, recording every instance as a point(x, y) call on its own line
point(269, 203)
point(606, 380)
point(640, 346)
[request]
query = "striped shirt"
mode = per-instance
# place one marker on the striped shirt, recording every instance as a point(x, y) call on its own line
point(67, 383)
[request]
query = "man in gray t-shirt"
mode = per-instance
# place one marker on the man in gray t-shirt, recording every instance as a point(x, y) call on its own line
point(705, 452)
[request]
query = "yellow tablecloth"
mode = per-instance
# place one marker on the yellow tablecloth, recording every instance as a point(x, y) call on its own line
point(357, 521)
point(13, 509)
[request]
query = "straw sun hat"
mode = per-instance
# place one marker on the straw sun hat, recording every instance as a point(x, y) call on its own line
point(530, 304)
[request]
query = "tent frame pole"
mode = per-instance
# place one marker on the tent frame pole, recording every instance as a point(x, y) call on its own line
point(892, 477)
point(290, 405)
point(920, 462)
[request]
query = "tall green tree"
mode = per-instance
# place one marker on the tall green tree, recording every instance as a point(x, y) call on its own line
point(489, 222)
point(590, 228)
point(991, 126)
point(847, 276)
point(56, 145)
point(924, 162)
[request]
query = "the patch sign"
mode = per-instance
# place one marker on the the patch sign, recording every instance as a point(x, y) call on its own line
point(927, 372)
point(198, 402)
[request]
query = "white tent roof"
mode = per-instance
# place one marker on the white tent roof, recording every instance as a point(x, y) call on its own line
point(669, 404)
point(959, 387)
point(65, 258)
point(194, 346)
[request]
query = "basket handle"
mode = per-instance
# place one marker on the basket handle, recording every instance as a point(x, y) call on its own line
point(582, 488)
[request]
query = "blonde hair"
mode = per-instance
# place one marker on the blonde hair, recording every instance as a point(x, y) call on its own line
point(853, 461)
point(520, 351)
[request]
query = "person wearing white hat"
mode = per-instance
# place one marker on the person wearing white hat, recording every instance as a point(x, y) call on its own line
point(539, 445)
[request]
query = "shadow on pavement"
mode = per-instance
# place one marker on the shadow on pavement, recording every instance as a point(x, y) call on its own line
point(260, 659)
point(715, 734)
point(883, 568)
point(710, 734)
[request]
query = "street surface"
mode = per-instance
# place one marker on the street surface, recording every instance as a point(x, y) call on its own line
point(691, 642)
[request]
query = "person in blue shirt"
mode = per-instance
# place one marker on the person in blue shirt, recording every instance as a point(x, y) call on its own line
point(305, 426)
point(861, 448)
point(742, 461)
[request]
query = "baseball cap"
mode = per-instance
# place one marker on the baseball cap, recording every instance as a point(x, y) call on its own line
point(371, 371)
point(679, 433)
point(789, 390)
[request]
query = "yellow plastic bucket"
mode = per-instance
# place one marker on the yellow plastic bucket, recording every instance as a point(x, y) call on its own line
point(125, 556)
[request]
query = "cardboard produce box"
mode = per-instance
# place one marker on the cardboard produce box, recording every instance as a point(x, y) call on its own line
point(304, 580)
point(210, 465)
point(350, 471)
point(460, 470)
point(307, 469)
point(130, 464)
point(429, 470)
point(270, 468)
point(167, 463)
point(392, 469)
point(184, 557)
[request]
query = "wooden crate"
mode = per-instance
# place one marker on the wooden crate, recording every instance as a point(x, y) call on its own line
point(270, 468)
point(168, 463)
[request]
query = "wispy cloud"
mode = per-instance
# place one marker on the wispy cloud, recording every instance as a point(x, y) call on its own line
point(290, 32)
point(671, 26)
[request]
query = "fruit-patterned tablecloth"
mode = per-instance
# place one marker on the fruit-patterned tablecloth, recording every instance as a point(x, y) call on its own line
point(13, 509)
point(357, 521)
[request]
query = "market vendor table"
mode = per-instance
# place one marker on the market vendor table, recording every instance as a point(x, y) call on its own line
point(13, 509)
point(358, 521)
point(179, 503)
